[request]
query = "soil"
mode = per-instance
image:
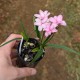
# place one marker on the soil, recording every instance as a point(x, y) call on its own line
point(57, 64)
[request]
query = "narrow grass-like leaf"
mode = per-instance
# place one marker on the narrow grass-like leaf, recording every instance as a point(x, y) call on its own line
point(39, 53)
point(62, 47)
point(10, 41)
point(34, 19)
point(45, 41)
point(36, 29)
point(37, 32)
point(24, 34)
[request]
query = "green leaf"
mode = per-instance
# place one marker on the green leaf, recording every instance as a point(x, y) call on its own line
point(39, 53)
point(34, 19)
point(45, 41)
point(10, 41)
point(24, 34)
point(36, 29)
point(37, 32)
point(62, 47)
point(35, 49)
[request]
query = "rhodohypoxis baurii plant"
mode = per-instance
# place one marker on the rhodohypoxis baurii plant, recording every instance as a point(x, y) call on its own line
point(45, 28)
point(48, 26)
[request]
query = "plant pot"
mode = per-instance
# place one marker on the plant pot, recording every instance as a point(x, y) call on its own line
point(26, 56)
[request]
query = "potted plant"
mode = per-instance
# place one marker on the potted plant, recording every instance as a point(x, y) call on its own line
point(32, 50)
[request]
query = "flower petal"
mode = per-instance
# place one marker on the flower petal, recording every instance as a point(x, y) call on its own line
point(37, 20)
point(54, 25)
point(37, 23)
point(37, 15)
point(59, 19)
point(41, 13)
point(51, 19)
point(44, 20)
point(48, 13)
point(45, 12)
point(63, 23)
point(46, 34)
point(40, 28)
point(54, 30)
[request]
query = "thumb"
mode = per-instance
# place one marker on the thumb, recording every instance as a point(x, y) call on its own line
point(23, 72)
point(10, 45)
point(12, 36)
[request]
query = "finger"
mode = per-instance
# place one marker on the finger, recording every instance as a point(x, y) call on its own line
point(16, 44)
point(14, 53)
point(23, 72)
point(14, 61)
point(12, 36)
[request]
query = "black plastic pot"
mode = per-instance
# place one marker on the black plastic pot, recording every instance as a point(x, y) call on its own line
point(24, 59)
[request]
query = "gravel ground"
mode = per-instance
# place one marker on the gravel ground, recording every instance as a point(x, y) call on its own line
point(57, 64)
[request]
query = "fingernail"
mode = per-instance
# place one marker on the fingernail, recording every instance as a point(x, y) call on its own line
point(33, 72)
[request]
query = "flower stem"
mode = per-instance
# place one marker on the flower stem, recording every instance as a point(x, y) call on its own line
point(42, 37)
point(47, 40)
point(51, 37)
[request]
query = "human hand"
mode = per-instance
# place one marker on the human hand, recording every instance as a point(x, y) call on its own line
point(7, 70)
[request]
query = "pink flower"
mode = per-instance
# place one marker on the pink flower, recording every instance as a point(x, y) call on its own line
point(41, 19)
point(42, 14)
point(58, 20)
point(49, 29)
point(38, 22)
point(48, 24)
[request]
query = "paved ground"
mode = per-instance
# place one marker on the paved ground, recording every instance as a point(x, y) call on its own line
point(57, 64)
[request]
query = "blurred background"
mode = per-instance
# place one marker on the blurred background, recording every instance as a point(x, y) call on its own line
point(57, 63)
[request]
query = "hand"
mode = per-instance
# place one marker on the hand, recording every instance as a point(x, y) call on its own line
point(7, 70)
